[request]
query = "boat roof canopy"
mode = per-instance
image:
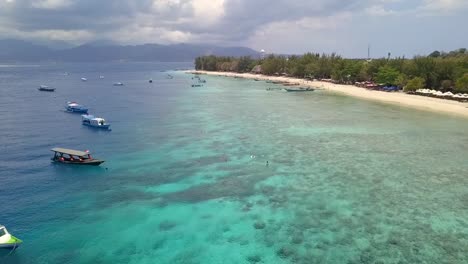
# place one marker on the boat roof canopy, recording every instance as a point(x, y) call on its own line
point(70, 152)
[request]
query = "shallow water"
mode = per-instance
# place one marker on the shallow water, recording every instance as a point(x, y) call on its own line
point(186, 177)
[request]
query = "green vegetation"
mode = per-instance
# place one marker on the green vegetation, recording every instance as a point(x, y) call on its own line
point(462, 84)
point(439, 71)
point(414, 84)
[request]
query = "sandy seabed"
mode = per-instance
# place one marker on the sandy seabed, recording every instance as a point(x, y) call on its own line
point(400, 98)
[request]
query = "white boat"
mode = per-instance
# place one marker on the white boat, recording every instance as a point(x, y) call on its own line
point(96, 122)
point(7, 240)
point(84, 79)
point(74, 107)
point(101, 77)
point(118, 84)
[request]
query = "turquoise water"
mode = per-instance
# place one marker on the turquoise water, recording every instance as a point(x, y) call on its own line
point(186, 178)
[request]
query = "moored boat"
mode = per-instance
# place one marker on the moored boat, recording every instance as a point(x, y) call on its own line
point(7, 240)
point(75, 157)
point(300, 89)
point(74, 107)
point(45, 88)
point(96, 122)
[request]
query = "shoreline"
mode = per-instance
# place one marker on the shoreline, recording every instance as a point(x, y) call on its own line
point(395, 98)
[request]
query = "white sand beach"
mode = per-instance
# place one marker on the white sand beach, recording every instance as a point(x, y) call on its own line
point(399, 98)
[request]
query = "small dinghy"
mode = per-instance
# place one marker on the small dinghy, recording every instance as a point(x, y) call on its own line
point(45, 88)
point(96, 122)
point(75, 157)
point(84, 79)
point(74, 107)
point(7, 240)
point(118, 84)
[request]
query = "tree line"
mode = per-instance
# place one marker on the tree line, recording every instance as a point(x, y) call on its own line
point(439, 70)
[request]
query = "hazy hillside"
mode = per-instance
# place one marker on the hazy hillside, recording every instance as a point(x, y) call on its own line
point(17, 50)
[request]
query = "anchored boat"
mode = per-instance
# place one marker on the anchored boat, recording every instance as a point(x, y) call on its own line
point(96, 122)
point(45, 88)
point(70, 156)
point(74, 107)
point(299, 89)
point(7, 240)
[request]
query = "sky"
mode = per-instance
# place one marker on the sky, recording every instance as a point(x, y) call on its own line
point(347, 27)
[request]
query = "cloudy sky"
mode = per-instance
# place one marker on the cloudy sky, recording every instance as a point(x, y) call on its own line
point(402, 27)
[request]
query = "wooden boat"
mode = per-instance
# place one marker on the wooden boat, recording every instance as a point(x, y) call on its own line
point(75, 157)
point(7, 240)
point(299, 89)
point(45, 88)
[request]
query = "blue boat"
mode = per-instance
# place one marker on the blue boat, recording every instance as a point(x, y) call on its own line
point(74, 107)
point(96, 122)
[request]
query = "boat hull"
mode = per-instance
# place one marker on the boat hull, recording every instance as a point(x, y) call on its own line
point(105, 127)
point(14, 242)
point(46, 89)
point(78, 111)
point(299, 90)
point(94, 162)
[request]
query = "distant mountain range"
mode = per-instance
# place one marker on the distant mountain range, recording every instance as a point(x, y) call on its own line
point(22, 51)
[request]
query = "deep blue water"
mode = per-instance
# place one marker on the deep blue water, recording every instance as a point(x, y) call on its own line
point(185, 178)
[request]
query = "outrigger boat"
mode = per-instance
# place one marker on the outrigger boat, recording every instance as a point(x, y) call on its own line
point(70, 156)
point(45, 88)
point(74, 107)
point(7, 240)
point(96, 122)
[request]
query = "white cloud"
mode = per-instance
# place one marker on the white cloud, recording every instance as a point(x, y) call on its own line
point(51, 4)
point(445, 5)
point(378, 10)
point(207, 12)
